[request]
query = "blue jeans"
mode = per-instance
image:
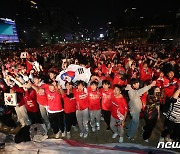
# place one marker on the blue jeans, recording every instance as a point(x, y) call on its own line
point(133, 125)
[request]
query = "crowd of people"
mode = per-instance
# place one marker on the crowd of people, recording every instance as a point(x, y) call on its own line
point(139, 80)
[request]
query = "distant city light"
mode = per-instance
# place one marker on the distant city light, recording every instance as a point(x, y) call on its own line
point(101, 35)
point(24, 31)
point(141, 17)
point(171, 39)
point(164, 39)
point(82, 36)
point(33, 2)
point(101, 28)
point(133, 8)
point(109, 23)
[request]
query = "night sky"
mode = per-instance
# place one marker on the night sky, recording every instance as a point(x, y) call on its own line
point(96, 13)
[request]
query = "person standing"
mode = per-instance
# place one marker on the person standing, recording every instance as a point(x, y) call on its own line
point(82, 112)
point(172, 122)
point(135, 105)
point(55, 110)
point(118, 113)
point(151, 112)
point(106, 93)
point(94, 97)
point(69, 108)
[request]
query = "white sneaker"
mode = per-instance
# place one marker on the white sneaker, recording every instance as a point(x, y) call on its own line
point(68, 135)
point(57, 135)
point(81, 134)
point(147, 141)
point(93, 129)
point(85, 135)
point(75, 128)
point(114, 135)
point(98, 128)
point(121, 139)
point(161, 139)
point(64, 134)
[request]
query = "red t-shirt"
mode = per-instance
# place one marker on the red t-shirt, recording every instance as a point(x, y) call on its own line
point(69, 104)
point(19, 92)
point(94, 99)
point(170, 86)
point(145, 74)
point(106, 99)
point(81, 99)
point(54, 101)
point(31, 101)
point(119, 107)
point(42, 97)
point(118, 80)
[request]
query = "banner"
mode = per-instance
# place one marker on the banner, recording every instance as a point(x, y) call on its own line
point(73, 73)
point(10, 99)
point(24, 55)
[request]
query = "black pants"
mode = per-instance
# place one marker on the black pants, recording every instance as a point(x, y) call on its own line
point(148, 128)
point(107, 117)
point(23, 135)
point(35, 117)
point(171, 128)
point(57, 121)
point(70, 119)
point(7, 120)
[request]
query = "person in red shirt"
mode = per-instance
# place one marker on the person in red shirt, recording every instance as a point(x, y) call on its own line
point(94, 96)
point(55, 110)
point(69, 108)
point(145, 72)
point(41, 89)
point(32, 105)
point(118, 113)
point(120, 79)
point(170, 84)
point(20, 108)
point(82, 112)
point(106, 94)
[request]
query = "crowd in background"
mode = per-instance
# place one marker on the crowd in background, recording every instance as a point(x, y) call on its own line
point(127, 79)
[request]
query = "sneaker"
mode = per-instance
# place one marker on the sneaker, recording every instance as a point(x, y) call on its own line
point(132, 139)
point(121, 139)
point(147, 141)
point(93, 129)
point(57, 135)
point(68, 135)
point(12, 129)
point(108, 129)
point(161, 139)
point(75, 128)
point(98, 128)
point(85, 135)
point(81, 134)
point(114, 135)
point(167, 139)
point(64, 134)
